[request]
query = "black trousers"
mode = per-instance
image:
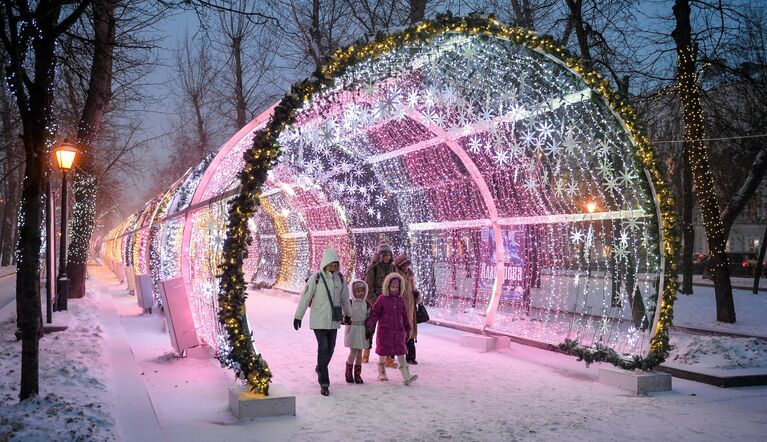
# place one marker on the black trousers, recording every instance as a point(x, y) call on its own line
point(372, 339)
point(326, 344)
point(410, 350)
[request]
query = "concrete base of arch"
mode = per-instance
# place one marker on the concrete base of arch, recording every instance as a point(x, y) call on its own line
point(639, 383)
point(484, 343)
point(247, 405)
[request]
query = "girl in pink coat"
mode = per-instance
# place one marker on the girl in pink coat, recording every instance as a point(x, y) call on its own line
point(390, 313)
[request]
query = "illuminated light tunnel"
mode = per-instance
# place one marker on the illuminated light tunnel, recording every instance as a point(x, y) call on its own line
point(516, 181)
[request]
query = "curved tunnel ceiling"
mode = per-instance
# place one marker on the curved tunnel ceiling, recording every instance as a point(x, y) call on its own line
point(470, 137)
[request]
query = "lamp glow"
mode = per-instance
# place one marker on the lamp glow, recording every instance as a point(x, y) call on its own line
point(65, 154)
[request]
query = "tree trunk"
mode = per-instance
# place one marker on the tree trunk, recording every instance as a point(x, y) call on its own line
point(27, 275)
point(239, 96)
point(35, 108)
point(576, 15)
point(697, 155)
point(30, 73)
point(10, 194)
point(4, 238)
point(688, 232)
point(8, 222)
point(8, 217)
point(417, 11)
point(523, 14)
point(316, 36)
point(85, 183)
point(759, 268)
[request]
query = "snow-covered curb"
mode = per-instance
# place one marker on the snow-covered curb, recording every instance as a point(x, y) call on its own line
point(73, 402)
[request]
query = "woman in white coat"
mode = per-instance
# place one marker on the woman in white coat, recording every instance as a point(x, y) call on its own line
point(328, 297)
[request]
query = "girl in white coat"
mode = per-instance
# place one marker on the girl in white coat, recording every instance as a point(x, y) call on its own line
point(354, 337)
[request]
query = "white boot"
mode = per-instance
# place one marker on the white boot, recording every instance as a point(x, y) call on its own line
point(382, 372)
point(406, 376)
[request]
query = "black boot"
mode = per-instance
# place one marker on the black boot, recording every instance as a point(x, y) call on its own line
point(324, 391)
point(358, 374)
point(349, 377)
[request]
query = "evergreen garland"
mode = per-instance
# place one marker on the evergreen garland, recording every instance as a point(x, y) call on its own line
point(601, 353)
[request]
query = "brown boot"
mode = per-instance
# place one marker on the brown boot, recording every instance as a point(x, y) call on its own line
point(358, 374)
point(390, 362)
point(349, 377)
point(365, 355)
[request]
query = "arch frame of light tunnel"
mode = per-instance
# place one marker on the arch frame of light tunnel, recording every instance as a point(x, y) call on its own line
point(266, 150)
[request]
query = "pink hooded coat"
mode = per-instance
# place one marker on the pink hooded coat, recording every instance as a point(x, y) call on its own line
point(390, 313)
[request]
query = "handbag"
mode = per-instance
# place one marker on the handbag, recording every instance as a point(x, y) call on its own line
point(421, 315)
point(335, 311)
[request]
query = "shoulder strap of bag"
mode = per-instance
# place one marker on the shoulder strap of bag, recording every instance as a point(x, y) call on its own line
point(327, 290)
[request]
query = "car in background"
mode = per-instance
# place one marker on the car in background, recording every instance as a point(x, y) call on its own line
point(698, 263)
point(741, 264)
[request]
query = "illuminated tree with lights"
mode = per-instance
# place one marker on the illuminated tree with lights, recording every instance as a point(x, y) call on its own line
point(85, 182)
point(29, 34)
point(697, 156)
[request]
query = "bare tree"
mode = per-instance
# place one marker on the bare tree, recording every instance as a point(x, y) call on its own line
point(85, 185)
point(198, 129)
point(103, 61)
point(252, 52)
point(535, 15)
point(376, 15)
point(312, 31)
point(372, 16)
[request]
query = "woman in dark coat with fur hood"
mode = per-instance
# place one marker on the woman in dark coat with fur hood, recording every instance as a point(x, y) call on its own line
point(411, 297)
point(374, 277)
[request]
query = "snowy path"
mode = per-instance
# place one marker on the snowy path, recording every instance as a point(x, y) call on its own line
point(134, 414)
point(517, 394)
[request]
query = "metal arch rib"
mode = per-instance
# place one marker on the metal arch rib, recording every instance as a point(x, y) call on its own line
point(492, 210)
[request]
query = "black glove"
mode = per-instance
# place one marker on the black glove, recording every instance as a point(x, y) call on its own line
point(368, 333)
point(346, 320)
point(296, 324)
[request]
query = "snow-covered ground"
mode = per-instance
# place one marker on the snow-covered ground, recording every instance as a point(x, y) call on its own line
point(699, 311)
point(517, 394)
point(73, 403)
point(718, 352)
point(720, 355)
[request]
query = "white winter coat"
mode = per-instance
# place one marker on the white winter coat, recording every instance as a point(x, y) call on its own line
point(321, 315)
point(354, 336)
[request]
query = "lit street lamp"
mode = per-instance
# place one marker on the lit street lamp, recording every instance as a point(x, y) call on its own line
point(64, 153)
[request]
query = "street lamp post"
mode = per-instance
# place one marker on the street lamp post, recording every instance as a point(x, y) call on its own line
point(64, 154)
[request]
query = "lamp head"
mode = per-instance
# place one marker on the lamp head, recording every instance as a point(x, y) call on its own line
point(591, 206)
point(64, 154)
